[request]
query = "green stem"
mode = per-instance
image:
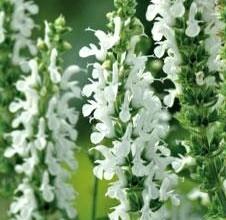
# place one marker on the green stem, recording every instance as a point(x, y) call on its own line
point(95, 193)
point(222, 200)
point(219, 192)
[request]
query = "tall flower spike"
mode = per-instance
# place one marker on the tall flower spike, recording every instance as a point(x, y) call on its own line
point(192, 44)
point(130, 118)
point(44, 132)
point(13, 43)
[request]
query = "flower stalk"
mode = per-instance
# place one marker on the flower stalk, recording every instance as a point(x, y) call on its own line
point(130, 121)
point(44, 132)
point(187, 32)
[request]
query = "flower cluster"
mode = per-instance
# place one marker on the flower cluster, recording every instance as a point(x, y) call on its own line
point(16, 27)
point(187, 36)
point(44, 134)
point(130, 121)
point(22, 26)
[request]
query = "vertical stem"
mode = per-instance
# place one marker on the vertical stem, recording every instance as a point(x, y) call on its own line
point(95, 193)
point(222, 200)
point(219, 193)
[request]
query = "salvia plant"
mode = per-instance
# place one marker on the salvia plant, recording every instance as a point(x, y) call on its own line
point(16, 27)
point(129, 120)
point(44, 134)
point(187, 35)
point(133, 121)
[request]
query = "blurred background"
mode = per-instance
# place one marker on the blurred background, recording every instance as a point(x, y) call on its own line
point(79, 15)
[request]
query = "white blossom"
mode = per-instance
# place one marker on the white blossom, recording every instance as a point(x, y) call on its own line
point(106, 42)
point(25, 206)
point(197, 194)
point(2, 30)
point(193, 28)
point(46, 189)
point(54, 73)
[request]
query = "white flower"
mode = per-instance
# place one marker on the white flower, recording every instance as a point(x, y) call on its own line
point(47, 32)
point(53, 69)
point(24, 207)
point(169, 99)
point(34, 78)
point(105, 168)
point(29, 164)
point(193, 28)
point(2, 30)
point(166, 187)
point(22, 24)
point(177, 9)
point(19, 141)
point(46, 189)
point(158, 7)
point(124, 114)
point(106, 42)
point(41, 141)
point(180, 163)
point(197, 194)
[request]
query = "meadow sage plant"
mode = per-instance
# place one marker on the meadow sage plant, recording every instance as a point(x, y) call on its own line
point(16, 27)
point(129, 120)
point(187, 35)
point(44, 134)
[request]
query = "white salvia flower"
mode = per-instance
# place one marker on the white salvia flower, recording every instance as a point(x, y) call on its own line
point(46, 189)
point(128, 106)
point(29, 164)
point(2, 30)
point(193, 27)
point(125, 111)
point(106, 42)
point(180, 163)
point(41, 142)
point(22, 24)
point(47, 32)
point(169, 99)
point(54, 73)
point(25, 206)
point(178, 9)
point(196, 194)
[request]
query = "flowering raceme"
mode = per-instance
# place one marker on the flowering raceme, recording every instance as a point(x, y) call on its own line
point(130, 121)
point(44, 134)
point(16, 27)
point(187, 32)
